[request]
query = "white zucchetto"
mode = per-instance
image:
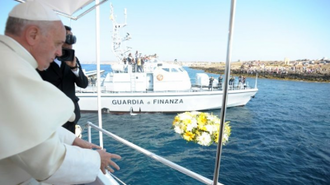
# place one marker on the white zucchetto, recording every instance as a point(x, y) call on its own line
point(34, 11)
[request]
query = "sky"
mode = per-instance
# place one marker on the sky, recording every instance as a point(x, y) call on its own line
point(194, 30)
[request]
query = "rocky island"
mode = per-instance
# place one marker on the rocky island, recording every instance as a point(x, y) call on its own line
point(302, 70)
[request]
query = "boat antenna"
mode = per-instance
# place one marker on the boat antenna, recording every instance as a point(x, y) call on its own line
point(125, 13)
point(117, 46)
point(225, 93)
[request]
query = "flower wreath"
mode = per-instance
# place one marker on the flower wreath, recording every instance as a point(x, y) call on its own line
point(199, 127)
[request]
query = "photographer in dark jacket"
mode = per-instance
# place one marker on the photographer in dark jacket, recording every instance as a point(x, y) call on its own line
point(64, 73)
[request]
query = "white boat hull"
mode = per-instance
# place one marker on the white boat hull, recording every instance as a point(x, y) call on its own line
point(164, 101)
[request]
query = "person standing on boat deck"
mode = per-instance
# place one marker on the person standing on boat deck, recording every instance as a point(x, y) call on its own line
point(129, 58)
point(136, 55)
point(136, 61)
point(240, 84)
point(139, 64)
point(220, 82)
point(244, 82)
point(133, 65)
point(125, 64)
point(34, 148)
point(65, 73)
point(130, 63)
point(211, 83)
point(142, 63)
point(231, 82)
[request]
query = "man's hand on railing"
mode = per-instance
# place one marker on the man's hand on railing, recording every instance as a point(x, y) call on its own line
point(84, 144)
point(106, 161)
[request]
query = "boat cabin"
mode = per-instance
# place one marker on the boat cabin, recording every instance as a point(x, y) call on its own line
point(157, 77)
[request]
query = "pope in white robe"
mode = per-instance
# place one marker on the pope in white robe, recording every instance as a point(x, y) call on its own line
point(34, 147)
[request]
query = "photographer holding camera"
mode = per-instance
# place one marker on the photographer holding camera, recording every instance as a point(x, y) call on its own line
point(64, 73)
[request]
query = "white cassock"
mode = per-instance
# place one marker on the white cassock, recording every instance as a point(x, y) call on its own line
point(33, 146)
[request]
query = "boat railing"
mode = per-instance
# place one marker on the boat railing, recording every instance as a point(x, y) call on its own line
point(234, 86)
point(193, 89)
point(158, 158)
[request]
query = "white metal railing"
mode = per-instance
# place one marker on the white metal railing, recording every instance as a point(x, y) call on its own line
point(149, 154)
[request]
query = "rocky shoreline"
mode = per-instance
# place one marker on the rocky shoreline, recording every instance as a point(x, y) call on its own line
point(318, 71)
point(292, 76)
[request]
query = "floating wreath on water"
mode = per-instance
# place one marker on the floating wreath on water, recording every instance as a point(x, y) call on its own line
point(199, 127)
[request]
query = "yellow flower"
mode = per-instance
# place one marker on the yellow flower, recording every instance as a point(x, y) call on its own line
point(202, 127)
point(186, 121)
point(188, 136)
point(176, 119)
point(216, 138)
point(202, 119)
point(226, 133)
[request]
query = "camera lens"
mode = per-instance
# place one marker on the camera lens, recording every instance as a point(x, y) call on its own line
point(70, 39)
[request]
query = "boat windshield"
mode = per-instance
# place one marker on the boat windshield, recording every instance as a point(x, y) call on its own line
point(181, 69)
point(166, 69)
point(173, 70)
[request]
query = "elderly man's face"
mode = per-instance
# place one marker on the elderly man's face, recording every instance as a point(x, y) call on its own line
point(50, 45)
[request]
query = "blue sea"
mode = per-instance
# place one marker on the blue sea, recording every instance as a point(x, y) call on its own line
point(282, 136)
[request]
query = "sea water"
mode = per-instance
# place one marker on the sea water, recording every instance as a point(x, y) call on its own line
point(282, 136)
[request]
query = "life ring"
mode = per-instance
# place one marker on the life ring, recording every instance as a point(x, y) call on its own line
point(160, 77)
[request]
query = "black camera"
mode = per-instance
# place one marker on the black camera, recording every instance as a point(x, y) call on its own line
point(70, 39)
point(67, 55)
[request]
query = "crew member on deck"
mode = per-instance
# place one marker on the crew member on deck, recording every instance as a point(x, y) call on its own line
point(65, 73)
point(220, 82)
point(211, 83)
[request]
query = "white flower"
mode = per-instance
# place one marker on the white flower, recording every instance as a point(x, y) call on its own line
point(192, 125)
point(194, 122)
point(214, 119)
point(184, 116)
point(178, 130)
point(225, 137)
point(194, 113)
point(211, 128)
point(204, 139)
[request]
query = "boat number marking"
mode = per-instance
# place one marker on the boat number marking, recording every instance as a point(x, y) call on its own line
point(160, 77)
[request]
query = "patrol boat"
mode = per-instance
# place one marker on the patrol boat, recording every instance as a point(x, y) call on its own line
point(161, 87)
